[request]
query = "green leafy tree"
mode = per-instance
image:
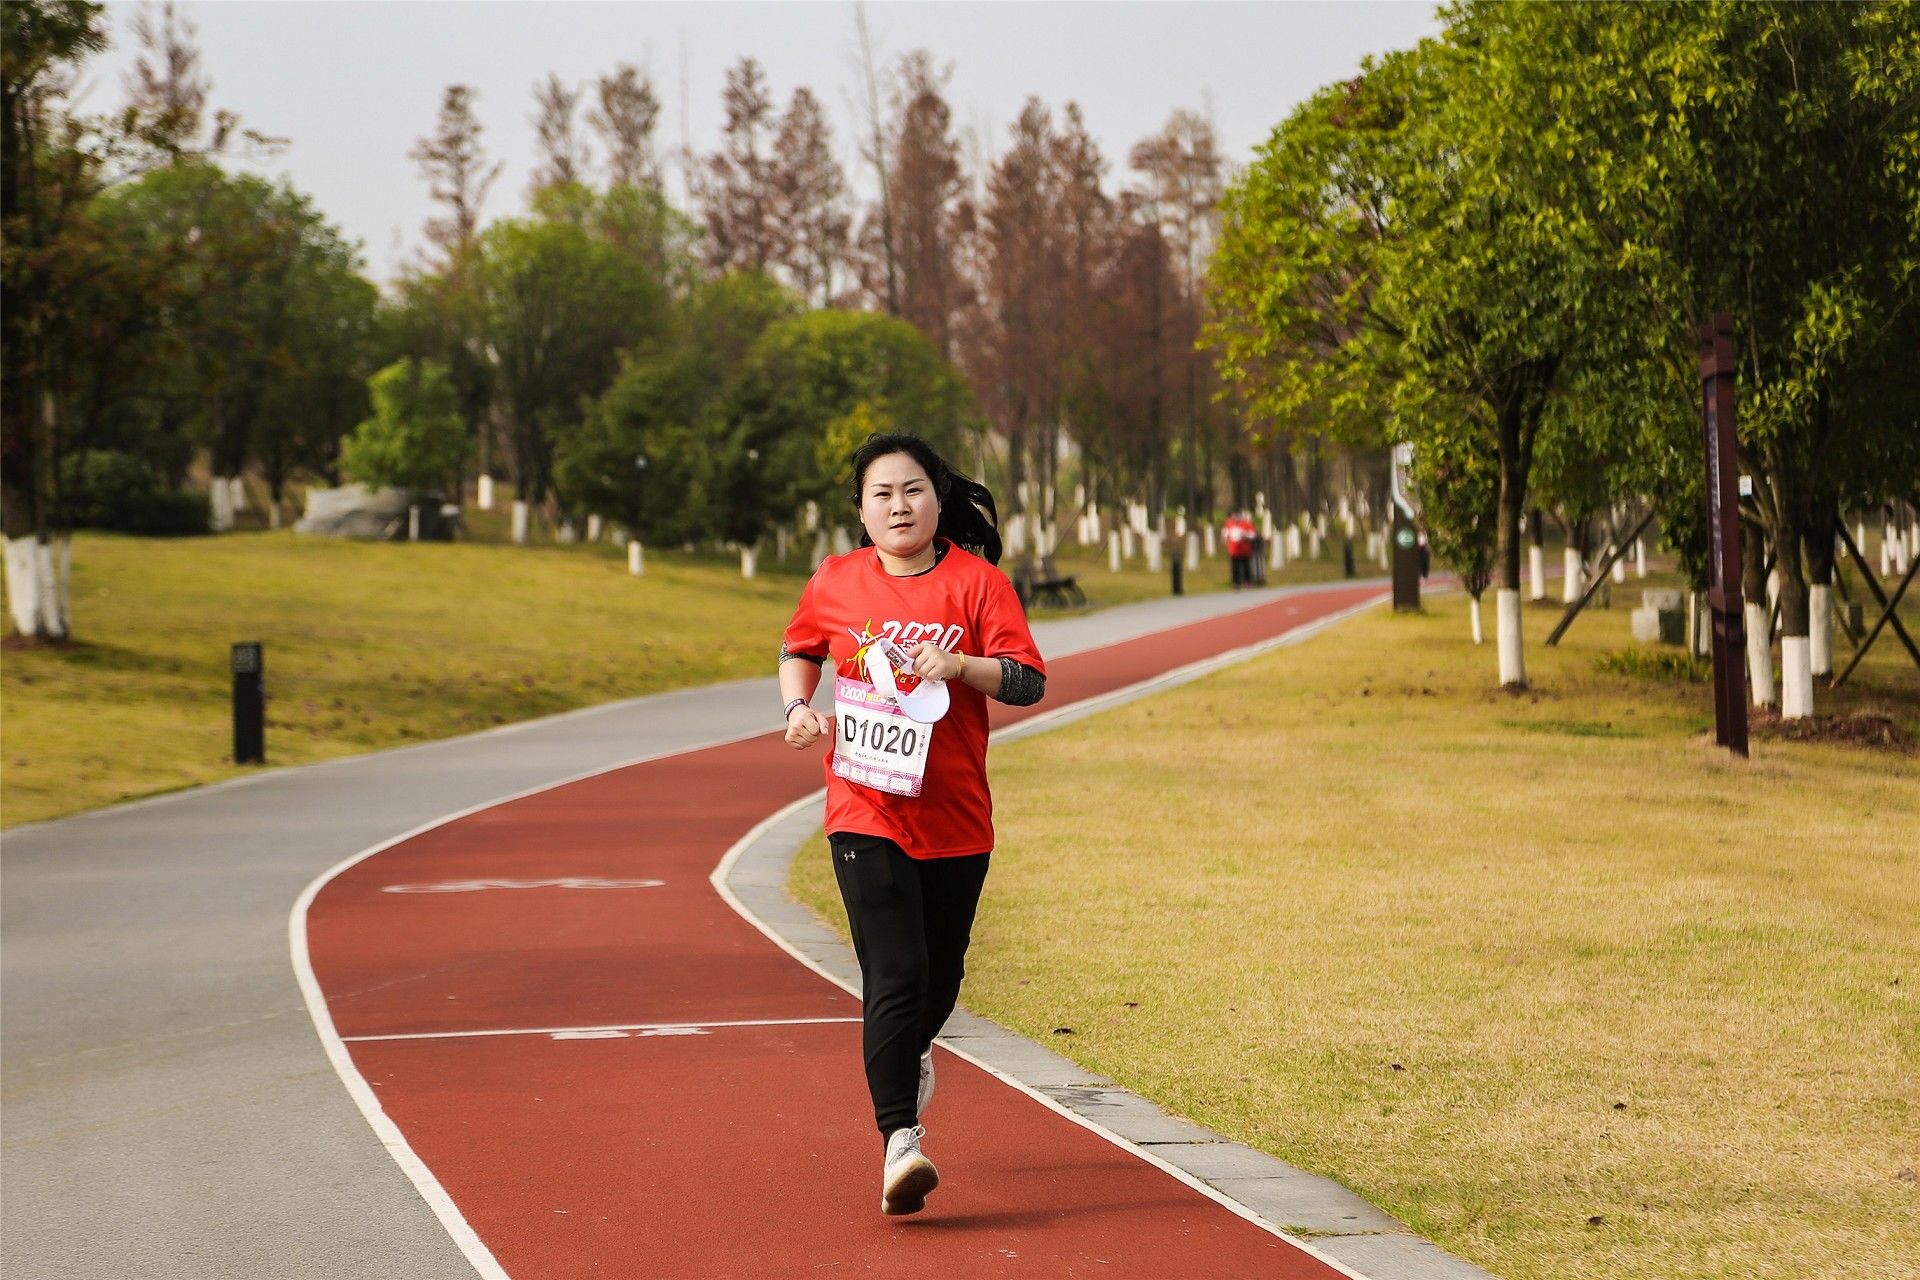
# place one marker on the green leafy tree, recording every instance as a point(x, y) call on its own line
point(637, 455)
point(416, 438)
point(1757, 159)
point(812, 388)
point(562, 305)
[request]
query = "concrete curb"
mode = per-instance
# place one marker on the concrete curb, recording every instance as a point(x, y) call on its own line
point(1317, 1212)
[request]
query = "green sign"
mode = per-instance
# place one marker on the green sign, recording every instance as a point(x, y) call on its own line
point(1404, 537)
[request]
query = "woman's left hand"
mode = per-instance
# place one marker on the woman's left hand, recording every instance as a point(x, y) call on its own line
point(931, 662)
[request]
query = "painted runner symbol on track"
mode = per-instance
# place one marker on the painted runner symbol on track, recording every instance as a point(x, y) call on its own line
point(563, 882)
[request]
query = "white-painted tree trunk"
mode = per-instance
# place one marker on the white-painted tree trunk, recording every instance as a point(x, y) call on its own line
point(237, 489)
point(1639, 557)
point(1773, 591)
point(1759, 657)
point(1572, 582)
point(484, 499)
point(565, 533)
point(1207, 531)
point(1155, 546)
point(37, 577)
point(1506, 628)
point(1536, 573)
point(1619, 568)
point(749, 562)
point(595, 525)
point(1820, 629)
point(413, 523)
point(1478, 636)
point(1901, 552)
point(273, 514)
point(1016, 538)
point(821, 550)
point(780, 542)
point(1193, 551)
point(1796, 678)
point(1886, 550)
point(811, 517)
point(519, 522)
point(842, 543)
point(1293, 542)
point(636, 557)
point(1860, 535)
point(1913, 544)
point(220, 501)
point(1313, 543)
point(1126, 541)
point(1266, 526)
point(1113, 551)
point(1702, 625)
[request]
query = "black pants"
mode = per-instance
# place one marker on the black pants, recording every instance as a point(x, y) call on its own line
point(1242, 567)
point(910, 921)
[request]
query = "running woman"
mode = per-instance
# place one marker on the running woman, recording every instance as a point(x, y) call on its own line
point(909, 819)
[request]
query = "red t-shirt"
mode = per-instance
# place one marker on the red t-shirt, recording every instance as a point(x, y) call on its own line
point(964, 605)
point(1239, 536)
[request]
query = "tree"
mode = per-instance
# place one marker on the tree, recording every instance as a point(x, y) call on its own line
point(624, 115)
point(737, 189)
point(925, 189)
point(1775, 175)
point(457, 171)
point(637, 456)
point(810, 391)
point(563, 156)
point(1458, 481)
point(562, 304)
point(416, 438)
point(809, 193)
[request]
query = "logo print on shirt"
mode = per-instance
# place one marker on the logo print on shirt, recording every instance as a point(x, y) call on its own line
point(905, 634)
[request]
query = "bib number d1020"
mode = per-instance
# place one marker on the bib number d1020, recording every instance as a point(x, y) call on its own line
point(875, 744)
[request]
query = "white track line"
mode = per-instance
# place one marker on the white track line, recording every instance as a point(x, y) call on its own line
point(1037, 724)
point(585, 1031)
point(423, 1179)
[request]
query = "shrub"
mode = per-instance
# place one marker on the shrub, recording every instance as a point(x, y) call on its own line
point(105, 489)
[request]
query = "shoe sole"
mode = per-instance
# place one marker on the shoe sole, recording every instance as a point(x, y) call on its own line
point(909, 1192)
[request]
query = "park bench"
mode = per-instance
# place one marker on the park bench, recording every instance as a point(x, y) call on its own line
point(1063, 591)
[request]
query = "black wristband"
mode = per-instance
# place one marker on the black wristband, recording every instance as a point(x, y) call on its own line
point(788, 713)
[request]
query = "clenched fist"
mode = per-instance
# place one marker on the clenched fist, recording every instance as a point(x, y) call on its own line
point(806, 727)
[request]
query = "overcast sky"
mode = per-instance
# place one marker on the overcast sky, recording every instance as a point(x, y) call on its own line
point(353, 85)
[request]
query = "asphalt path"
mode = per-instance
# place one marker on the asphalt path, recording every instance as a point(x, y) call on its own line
point(168, 1109)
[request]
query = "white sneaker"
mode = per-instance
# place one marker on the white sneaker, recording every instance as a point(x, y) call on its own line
point(926, 1083)
point(907, 1176)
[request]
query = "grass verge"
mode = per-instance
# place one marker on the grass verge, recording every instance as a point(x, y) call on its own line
point(1566, 988)
point(372, 645)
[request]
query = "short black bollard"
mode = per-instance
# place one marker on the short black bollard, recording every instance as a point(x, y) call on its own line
point(249, 704)
point(1174, 562)
point(1346, 556)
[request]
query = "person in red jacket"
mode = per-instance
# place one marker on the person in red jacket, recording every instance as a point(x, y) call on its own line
point(1238, 533)
point(909, 819)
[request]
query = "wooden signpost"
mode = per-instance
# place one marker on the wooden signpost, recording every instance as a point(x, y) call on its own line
point(1723, 531)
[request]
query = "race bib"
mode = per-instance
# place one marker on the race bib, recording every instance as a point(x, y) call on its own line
point(876, 745)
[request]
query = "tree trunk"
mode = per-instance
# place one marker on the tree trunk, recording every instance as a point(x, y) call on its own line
point(1513, 496)
point(1796, 667)
point(1536, 555)
point(1818, 543)
point(1753, 591)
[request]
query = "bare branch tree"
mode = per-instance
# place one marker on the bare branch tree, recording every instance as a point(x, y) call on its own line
point(563, 156)
point(624, 116)
point(456, 170)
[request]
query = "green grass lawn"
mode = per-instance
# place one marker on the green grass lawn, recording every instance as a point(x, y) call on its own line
point(1549, 976)
point(372, 645)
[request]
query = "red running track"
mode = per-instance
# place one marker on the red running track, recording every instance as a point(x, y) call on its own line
point(560, 1059)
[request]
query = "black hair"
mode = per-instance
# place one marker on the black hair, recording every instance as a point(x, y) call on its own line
point(968, 517)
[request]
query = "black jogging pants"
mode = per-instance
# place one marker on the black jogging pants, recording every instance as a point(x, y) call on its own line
point(911, 919)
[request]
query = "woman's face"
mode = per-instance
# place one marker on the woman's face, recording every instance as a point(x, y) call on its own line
point(897, 505)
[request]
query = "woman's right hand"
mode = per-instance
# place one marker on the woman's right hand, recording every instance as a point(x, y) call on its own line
point(806, 727)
